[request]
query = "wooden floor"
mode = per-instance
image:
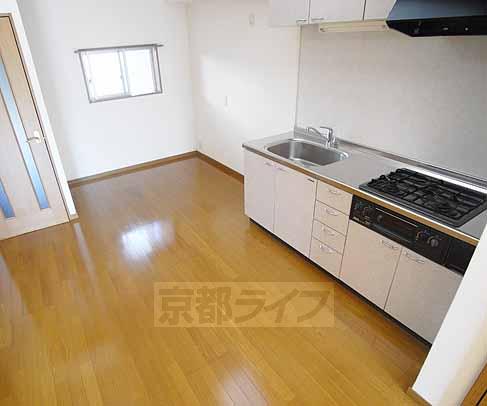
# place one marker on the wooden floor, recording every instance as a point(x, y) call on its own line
point(77, 308)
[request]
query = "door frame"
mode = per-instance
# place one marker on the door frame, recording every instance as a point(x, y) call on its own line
point(36, 108)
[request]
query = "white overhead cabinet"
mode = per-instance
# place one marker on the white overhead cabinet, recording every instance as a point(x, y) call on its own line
point(280, 199)
point(288, 12)
point(378, 9)
point(421, 294)
point(336, 10)
point(299, 12)
point(294, 207)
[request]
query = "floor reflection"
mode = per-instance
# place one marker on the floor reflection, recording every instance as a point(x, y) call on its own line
point(7, 285)
point(143, 240)
point(83, 248)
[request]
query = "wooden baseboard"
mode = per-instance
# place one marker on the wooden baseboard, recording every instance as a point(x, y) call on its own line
point(133, 168)
point(158, 162)
point(417, 397)
point(222, 167)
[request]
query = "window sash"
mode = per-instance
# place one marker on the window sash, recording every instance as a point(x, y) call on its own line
point(121, 52)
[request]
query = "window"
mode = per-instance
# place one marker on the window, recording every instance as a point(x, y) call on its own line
point(121, 72)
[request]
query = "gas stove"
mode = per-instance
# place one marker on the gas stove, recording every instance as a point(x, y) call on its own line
point(440, 200)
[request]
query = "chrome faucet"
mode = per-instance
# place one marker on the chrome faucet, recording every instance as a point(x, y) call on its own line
point(314, 130)
point(331, 140)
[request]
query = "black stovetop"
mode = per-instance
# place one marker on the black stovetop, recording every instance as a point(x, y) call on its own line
point(435, 198)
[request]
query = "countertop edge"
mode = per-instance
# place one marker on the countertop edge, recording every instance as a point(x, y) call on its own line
point(374, 199)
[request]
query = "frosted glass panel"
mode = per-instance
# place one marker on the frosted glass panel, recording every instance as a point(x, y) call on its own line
point(18, 127)
point(5, 205)
point(140, 71)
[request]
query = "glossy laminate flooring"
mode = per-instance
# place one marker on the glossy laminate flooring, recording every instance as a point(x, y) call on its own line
point(77, 308)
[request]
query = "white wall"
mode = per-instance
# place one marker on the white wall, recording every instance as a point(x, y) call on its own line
point(10, 7)
point(99, 137)
point(424, 98)
point(459, 352)
point(245, 77)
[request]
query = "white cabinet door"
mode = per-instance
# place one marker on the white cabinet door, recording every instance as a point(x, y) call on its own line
point(378, 9)
point(288, 12)
point(421, 294)
point(369, 263)
point(259, 189)
point(336, 10)
point(293, 215)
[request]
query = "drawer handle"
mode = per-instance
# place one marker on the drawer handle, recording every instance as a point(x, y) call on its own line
point(334, 192)
point(318, 19)
point(326, 249)
point(328, 231)
point(331, 212)
point(417, 260)
point(301, 21)
point(389, 245)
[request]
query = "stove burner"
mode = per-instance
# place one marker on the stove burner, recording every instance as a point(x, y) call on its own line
point(438, 199)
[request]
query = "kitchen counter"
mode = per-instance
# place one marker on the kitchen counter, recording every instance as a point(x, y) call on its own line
point(361, 167)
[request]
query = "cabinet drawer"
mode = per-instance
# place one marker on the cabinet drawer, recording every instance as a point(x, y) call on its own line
point(326, 257)
point(328, 236)
point(335, 198)
point(331, 217)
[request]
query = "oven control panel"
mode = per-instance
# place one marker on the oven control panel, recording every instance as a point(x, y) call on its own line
point(422, 239)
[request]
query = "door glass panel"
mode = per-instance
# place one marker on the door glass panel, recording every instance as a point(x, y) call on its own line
point(13, 112)
point(5, 205)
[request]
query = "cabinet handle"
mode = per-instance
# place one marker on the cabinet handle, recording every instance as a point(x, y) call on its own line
point(282, 170)
point(318, 19)
point(334, 192)
point(268, 164)
point(302, 21)
point(36, 138)
point(389, 245)
point(328, 231)
point(417, 260)
point(326, 249)
point(331, 212)
point(311, 180)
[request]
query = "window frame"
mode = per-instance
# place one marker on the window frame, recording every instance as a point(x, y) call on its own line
point(155, 67)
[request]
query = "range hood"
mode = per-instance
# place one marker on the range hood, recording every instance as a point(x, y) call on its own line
point(430, 18)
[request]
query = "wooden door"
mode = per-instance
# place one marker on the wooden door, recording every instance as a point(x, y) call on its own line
point(30, 198)
point(421, 294)
point(259, 189)
point(336, 10)
point(294, 208)
point(369, 263)
point(288, 12)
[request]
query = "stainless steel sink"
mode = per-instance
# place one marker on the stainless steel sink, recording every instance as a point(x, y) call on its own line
point(307, 153)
